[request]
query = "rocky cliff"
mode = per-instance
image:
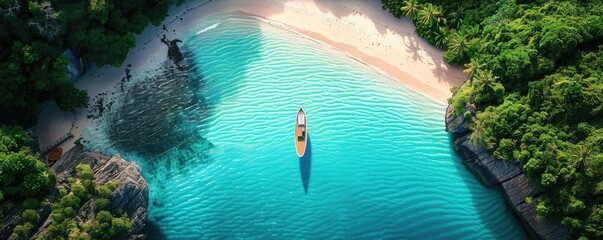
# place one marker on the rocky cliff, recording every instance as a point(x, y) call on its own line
point(132, 195)
point(509, 175)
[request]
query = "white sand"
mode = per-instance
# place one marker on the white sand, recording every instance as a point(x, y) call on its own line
point(359, 28)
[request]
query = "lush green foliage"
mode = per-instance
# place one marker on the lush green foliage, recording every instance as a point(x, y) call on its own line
point(21, 174)
point(106, 225)
point(535, 74)
point(31, 203)
point(35, 33)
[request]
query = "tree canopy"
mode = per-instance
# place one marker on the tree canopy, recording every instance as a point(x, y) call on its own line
point(535, 74)
point(35, 33)
point(21, 174)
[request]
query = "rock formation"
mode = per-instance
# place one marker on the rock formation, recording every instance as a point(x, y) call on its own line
point(515, 184)
point(132, 194)
point(75, 65)
point(174, 53)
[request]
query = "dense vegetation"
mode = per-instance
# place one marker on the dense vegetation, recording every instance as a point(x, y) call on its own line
point(25, 182)
point(536, 78)
point(21, 174)
point(34, 33)
point(105, 225)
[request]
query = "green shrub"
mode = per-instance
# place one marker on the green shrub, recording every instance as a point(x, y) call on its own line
point(461, 98)
point(103, 192)
point(62, 192)
point(112, 185)
point(56, 229)
point(68, 212)
point(71, 200)
point(71, 180)
point(84, 172)
point(89, 185)
point(57, 216)
point(120, 226)
point(80, 191)
point(23, 231)
point(30, 215)
point(102, 203)
point(31, 203)
point(104, 217)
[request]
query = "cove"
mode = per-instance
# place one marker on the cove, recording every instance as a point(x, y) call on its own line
point(214, 139)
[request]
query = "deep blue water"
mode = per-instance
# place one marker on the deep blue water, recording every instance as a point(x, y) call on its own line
point(215, 143)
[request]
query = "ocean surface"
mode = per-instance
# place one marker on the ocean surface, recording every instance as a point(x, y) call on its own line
point(214, 138)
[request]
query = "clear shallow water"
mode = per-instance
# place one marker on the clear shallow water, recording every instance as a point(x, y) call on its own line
point(215, 143)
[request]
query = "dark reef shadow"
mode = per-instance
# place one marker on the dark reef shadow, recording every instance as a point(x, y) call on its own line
point(153, 232)
point(305, 165)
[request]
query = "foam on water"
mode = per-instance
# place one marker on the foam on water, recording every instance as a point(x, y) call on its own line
point(215, 143)
point(215, 25)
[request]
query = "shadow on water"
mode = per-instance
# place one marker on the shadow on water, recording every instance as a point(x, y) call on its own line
point(153, 232)
point(482, 200)
point(305, 165)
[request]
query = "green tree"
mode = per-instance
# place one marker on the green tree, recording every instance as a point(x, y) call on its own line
point(485, 81)
point(440, 37)
point(581, 157)
point(30, 216)
point(431, 15)
point(410, 9)
point(473, 67)
point(458, 48)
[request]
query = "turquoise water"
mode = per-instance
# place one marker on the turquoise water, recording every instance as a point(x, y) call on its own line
point(215, 143)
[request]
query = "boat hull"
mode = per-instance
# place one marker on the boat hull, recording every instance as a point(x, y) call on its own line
point(301, 133)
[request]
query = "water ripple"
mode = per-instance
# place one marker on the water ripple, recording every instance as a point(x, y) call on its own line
point(380, 164)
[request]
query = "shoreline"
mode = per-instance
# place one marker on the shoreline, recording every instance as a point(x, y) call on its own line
point(360, 29)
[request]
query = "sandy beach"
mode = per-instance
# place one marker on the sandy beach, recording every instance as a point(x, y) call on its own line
point(360, 28)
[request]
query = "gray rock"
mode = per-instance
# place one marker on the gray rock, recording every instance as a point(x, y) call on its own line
point(86, 211)
point(490, 170)
point(9, 222)
point(75, 65)
point(515, 185)
point(454, 123)
point(539, 227)
point(132, 194)
point(457, 123)
point(518, 188)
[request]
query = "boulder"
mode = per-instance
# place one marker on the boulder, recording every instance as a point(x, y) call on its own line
point(75, 65)
point(456, 123)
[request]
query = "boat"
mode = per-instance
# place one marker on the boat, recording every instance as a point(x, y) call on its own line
point(54, 155)
point(301, 133)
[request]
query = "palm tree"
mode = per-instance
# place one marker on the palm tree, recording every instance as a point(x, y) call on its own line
point(440, 37)
point(582, 157)
point(485, 81)
point(473, 67)
point(411, 9)
point(431, 15)
point(471, 32)
point(458, 44)
point(456, 17)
